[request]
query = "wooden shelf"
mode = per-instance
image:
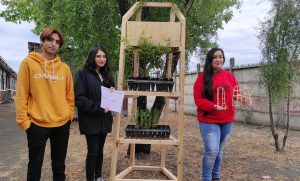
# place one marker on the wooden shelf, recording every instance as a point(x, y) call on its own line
point(171, 34)
point(133, 94)
point(170, 141)
point(120, 176)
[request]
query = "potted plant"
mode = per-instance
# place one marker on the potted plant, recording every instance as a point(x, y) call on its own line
point(150, 57)
point(147, 126)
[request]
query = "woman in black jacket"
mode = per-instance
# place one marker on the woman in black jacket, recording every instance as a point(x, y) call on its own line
point(94, 121)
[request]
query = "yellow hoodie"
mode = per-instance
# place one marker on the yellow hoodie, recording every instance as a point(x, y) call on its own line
point(45, 93)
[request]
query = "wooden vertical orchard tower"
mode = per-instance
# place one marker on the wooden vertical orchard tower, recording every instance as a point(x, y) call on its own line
point(170, 34)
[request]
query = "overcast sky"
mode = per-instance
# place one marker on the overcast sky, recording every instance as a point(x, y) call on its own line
point(238, 39)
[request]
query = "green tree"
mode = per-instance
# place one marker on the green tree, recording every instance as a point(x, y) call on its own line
point(280, 39)
point(85, 22)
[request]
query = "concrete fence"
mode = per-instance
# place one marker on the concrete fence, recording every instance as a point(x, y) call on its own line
point(258, 114)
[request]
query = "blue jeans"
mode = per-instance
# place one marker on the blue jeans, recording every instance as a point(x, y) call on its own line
point(214, 137)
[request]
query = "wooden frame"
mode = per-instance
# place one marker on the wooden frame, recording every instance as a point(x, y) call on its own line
point(170, 34)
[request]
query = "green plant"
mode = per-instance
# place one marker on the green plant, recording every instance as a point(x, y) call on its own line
point(140, 118)
point(155, 117)
point(150, 54)
point(147, 119)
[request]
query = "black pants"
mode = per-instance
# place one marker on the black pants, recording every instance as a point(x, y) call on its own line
point(37, 137)
point(94, 158)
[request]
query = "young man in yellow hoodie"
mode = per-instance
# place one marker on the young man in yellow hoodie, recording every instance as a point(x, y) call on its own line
point(45, 104)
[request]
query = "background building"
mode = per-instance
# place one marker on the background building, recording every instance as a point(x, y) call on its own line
point(32, 46)
point(8, 78)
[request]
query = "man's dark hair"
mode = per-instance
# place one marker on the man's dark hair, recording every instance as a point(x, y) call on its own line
point(47, 33)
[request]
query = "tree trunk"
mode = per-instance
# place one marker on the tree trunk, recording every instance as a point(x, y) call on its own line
point(159, 101)
point(123, 6)
point(188, 5)
point(288, 115)
point(275, 135)
point(287, 124)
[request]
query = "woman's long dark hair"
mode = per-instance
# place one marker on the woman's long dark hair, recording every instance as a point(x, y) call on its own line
point(208, 73)
point(105, 70)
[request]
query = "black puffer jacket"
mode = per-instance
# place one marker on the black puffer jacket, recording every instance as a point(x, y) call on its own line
point(92, 118)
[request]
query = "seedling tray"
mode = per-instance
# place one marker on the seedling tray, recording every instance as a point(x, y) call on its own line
point(160, 132)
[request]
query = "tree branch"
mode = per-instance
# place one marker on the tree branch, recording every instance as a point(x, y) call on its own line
point(188, 5)
point(295, 50)
point(123, 6)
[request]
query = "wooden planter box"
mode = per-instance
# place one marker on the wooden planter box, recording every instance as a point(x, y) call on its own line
point(165, 34)
point(161, 132)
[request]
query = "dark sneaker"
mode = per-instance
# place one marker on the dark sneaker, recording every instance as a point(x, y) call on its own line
point(100, 179)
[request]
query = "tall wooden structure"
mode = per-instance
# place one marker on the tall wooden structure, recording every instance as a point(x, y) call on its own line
point(170, 34)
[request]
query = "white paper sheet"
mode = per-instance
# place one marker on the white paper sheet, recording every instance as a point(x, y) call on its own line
point(112, 100)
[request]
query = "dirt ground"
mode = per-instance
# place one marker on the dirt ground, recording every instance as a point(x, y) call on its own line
point(249, 155)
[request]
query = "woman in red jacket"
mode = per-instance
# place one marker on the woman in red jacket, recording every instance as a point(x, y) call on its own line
point(213, 96)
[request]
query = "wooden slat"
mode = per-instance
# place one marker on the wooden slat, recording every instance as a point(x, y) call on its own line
point(135, 73)
point(163, 33)
point(169, 174)
point(132, 155)
point(142, 180)
point(124, 173)
point(179, 15)
point(171, 141)
point(181, 106)
point(172, 15)
point(157, 4)
point(147, 168)
point(115, 146)
point(129, 13)
point(171, 95)
point(163, 156)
